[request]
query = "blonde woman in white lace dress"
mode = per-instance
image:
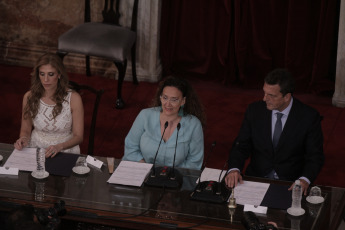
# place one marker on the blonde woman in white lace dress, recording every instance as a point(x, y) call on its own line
point(53, 115)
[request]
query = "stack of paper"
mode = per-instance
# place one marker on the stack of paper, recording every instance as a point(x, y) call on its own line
point(130, 173)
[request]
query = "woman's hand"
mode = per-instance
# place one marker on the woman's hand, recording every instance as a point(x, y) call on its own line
point(52, 150)
point(21, 143)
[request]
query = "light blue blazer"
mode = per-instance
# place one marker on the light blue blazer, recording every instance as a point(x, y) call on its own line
point(143, 139)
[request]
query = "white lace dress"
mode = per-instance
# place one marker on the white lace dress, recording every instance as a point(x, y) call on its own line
point(48, 131)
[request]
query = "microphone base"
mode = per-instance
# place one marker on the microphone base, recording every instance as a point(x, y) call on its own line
point(211, 191)
point(163, 178)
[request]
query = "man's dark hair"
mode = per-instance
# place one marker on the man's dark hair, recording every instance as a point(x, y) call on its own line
point(283, 78)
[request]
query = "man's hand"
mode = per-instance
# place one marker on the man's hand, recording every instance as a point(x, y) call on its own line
point(232, 178)
point(304, 186)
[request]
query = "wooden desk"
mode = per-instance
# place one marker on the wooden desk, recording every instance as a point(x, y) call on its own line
point(91, 199)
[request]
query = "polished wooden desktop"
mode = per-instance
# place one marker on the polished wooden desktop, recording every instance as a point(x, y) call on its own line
point(90, 198)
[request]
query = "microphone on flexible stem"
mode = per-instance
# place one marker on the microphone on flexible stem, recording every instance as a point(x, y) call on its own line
point(219, 191)
point(204, 165)
point(173, 177)
point(154, 161)
point(211, 191)
point(166, 177)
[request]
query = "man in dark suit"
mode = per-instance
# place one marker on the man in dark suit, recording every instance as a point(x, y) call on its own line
point(292, 150)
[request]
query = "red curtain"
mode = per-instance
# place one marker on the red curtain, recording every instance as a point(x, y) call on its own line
point(243, 40)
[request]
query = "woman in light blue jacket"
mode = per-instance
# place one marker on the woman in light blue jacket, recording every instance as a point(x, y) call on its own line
point(175, 103)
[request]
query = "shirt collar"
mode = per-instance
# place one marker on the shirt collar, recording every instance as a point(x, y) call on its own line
point(286, 111)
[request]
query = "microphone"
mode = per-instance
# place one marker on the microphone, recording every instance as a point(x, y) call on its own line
point(153, 174)
point(166, 177)
point(211, 191)
point(173, 169)
point(204, 165)
point(219, 191)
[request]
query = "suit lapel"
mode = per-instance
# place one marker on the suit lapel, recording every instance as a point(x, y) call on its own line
point(267, 124)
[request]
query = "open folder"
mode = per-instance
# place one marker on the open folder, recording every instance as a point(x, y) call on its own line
point(278, 197)
point(61, 164)
point(263, 194)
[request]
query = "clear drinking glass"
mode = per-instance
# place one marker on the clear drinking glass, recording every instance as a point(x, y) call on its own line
point(81, 162)
point(315, 191)
point(315, 196)
point(81, 166)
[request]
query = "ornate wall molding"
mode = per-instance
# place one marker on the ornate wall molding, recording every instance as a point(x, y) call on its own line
point(31, 28)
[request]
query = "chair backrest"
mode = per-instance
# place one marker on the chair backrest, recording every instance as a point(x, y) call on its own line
point(98, 93)
point(111, 13)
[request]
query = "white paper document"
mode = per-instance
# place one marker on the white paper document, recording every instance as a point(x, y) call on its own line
point(24, 160)
point(93, 161)
point(8, 171)
point(130, 173)
point(209, 174)
point(250, 192)
point(254, 208)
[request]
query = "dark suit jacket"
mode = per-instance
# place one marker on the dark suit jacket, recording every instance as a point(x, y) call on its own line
point(298, 153)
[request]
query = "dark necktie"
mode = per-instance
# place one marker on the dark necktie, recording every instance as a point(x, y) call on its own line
point(277, 129)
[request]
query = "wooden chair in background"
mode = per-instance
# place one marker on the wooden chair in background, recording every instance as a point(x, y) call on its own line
point(82, 89)
point(108, 40)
